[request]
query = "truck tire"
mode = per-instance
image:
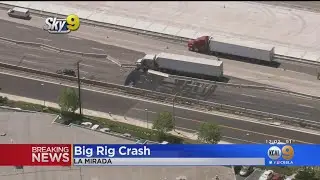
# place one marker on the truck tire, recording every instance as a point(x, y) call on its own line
point(191, 49)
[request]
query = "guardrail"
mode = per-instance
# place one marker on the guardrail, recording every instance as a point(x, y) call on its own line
point(169, 98)
point(33, 44)
point(145, 32)
point(268, 88)
point(294, 59)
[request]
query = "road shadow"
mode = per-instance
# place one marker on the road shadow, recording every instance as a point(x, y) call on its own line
point(190, 89)
point(19, 17)
point(132, 78)
point(273, 64)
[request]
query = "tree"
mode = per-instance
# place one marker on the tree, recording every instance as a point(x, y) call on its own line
point(209, 133)
point(317, 172)
point(163, 123)
point(306, 173)
point(68, 100)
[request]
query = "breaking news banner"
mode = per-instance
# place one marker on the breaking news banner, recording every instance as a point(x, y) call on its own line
point(158, 155)
point(35, 154)
point(195, 155)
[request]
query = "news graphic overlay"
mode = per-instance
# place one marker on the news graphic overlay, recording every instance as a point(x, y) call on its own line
point(159, 155)
point(36, 154)
point(281, 156)
point(166, 155)
point(51, 155)
point(62, 26)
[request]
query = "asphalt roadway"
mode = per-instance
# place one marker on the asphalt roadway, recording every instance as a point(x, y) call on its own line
point(122, 41)
point(64, 41)
point(238, 130)
point(107, 71)
point(22, 32)
point(265, 101)
point(53, 61)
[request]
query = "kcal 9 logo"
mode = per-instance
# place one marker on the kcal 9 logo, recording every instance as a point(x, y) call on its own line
point(287, 152)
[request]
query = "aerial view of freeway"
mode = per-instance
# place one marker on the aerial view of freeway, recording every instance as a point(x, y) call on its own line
point(246, 90)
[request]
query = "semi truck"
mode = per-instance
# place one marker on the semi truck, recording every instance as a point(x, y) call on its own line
point(181, 65)
point(234, 47)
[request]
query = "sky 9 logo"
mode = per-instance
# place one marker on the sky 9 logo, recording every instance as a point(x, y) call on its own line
point(62, 26)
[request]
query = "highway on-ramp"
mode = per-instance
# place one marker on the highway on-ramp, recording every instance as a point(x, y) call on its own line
point(238, 130)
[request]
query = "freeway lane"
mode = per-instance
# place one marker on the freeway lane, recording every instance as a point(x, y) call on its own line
point(91, 68)
point(100, 69)
point(129, 107)
point(31, 34)
point(265, 101)
point(269, 102)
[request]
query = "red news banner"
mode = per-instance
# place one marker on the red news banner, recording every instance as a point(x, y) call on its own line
point(35, 154)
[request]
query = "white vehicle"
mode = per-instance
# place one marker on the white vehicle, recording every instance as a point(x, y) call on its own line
point(174, 63)
point(17, 12)
point(246, 170)
point(267, 175)
point(105, 130)
point(86, 124)
point(95, 127)
point(164, 142)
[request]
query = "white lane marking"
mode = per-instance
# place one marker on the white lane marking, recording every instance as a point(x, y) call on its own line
point(33, 55)
point(97, 90)
point(87, 65)
point(248, 95)
point(303, 105)
point(72, 37)
point(84, 71)
point(246, 102)
point(300, 112)
point(20, 27)
point(97, 49)
point(44, 39)
point(48, 49)
point(32, 62)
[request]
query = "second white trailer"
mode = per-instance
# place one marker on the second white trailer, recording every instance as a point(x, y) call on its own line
point(242, 48)
point(188, 64)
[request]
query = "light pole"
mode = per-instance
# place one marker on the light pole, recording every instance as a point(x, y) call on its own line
point(147, 117)
point(79, 87)
point(173, 102)
point(44, 100)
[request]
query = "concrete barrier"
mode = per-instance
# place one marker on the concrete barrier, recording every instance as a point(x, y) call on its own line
point(95, 55)
point(29, 43)
point(50, 47)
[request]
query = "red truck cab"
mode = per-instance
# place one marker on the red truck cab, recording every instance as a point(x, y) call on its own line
point(201, 44)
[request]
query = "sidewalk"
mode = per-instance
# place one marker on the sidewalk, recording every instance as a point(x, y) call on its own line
point(114, 117)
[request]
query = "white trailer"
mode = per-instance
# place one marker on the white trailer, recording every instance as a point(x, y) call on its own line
point(188, 64)
point(242, 48)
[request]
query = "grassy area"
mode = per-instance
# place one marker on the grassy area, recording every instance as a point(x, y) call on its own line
point(114, 126)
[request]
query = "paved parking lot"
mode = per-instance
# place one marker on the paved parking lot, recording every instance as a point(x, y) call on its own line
point(38, 128)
